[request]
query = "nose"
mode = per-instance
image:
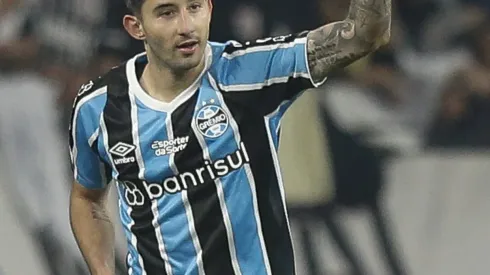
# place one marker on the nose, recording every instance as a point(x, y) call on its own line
point(186, 24)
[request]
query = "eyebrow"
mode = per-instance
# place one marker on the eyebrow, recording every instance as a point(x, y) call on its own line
point(163, 6)
point(167, 5)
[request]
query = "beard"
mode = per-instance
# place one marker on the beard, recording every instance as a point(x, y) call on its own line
point(171, 59)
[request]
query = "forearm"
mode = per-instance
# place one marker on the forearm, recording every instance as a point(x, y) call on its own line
point(372, 20)
point(366, 27)
point(94, 233)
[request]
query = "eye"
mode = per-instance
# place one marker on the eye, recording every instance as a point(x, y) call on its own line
point(167, 13)
point(195, 7)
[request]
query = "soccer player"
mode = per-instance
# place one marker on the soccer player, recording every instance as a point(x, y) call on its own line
point(187, 132)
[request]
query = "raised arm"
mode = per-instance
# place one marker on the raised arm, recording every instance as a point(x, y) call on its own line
point(366, 28)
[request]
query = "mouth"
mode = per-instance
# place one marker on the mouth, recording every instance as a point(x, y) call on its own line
point(188, 47)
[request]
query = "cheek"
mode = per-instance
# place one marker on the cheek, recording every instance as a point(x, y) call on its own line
point(159, 38)
point(202, 18)
point(203, 24)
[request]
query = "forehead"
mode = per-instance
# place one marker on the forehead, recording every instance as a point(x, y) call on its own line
point(157, 3)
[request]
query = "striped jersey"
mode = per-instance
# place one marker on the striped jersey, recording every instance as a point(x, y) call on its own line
point(198, 179)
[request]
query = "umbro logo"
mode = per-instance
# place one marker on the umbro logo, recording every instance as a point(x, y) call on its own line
point(121, 150)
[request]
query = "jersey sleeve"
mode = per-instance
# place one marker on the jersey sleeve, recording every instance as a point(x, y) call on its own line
point(88, 168)
point(264, 63)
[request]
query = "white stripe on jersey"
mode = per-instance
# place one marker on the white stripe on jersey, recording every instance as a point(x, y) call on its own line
point(158, 233)
point(187, 205)
point(275, 159)
point(250, 178)
point(261, 85)
point(74, 151)
point(93, 137)
point(141, 176)
point(105, 140)
point(264, 48)
point(222, 202)
point(130, 269)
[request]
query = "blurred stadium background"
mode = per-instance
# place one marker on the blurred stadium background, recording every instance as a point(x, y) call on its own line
point(386, 167)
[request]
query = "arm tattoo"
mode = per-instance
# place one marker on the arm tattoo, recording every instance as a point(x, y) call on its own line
point(338, 44)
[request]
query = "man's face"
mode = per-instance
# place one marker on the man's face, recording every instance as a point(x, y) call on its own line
point(176, 31)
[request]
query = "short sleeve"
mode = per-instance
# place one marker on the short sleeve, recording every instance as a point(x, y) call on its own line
point(265, 62)
point(88, 168)
point(265, 73)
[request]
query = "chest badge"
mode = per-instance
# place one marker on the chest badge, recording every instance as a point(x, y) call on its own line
point(212, 121)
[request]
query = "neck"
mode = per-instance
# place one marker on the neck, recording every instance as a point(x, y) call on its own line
point(165, 84)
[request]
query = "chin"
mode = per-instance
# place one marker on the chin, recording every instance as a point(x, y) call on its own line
point(188, 63)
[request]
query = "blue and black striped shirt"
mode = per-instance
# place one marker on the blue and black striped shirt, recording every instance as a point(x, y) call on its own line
point(199, 183)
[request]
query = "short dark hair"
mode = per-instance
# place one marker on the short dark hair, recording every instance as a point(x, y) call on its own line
point(134, 5)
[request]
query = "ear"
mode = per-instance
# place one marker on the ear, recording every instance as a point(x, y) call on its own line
point(210, 3)
point(134, 27)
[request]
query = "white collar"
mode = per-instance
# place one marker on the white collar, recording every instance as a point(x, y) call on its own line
point(150, 102)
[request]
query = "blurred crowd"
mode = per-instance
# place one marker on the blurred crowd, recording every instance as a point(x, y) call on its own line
point(428, 90)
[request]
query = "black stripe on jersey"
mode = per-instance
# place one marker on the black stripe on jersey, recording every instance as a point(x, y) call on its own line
point(117, 117)
point(271, 208)
point(265, 101)
point(231, 47)
point(203, 198)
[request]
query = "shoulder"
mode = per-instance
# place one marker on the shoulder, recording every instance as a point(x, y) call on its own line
point(219, 49)
point(91, 97)
point(224, 55)
point(248, 50)
point(262, 44)
point(98, 86)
